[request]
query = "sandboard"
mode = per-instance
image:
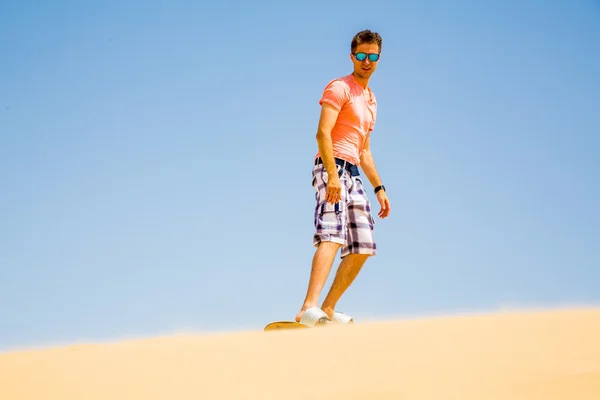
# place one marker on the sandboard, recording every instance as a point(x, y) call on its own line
point(281, 325)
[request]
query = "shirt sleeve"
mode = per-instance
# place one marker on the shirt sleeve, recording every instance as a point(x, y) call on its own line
point(374, 114)
point(335, 94)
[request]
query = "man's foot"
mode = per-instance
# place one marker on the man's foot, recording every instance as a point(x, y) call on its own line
point(341, 318)
point(316, 316)
point(336, 317)
point(329, 311)
point(301, 312)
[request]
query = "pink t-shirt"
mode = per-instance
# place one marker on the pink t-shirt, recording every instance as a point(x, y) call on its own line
point(357, 114)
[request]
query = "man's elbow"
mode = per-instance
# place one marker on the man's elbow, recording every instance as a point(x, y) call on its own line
point(322, 134)
point(366, 158)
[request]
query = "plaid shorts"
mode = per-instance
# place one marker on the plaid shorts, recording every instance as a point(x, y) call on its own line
point(348, 222)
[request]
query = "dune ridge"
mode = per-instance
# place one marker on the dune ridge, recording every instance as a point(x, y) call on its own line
point(529, 355)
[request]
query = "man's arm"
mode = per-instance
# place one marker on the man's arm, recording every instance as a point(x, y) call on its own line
point(326, 122)
point(368, 166)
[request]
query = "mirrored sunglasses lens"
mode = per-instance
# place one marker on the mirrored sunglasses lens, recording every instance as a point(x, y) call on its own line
point(361, 56)
point(373, 57)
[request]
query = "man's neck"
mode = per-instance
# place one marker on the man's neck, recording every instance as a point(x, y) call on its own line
point(362, 82)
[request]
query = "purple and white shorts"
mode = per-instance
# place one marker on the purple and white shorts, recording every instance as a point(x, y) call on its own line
point(348, 222)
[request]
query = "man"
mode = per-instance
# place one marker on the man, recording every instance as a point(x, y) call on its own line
point(342, 215)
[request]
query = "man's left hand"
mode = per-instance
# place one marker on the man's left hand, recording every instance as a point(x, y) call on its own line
point(384, 202)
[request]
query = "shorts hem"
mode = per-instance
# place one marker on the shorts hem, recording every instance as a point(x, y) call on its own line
point(317, 241)
point(365, 252)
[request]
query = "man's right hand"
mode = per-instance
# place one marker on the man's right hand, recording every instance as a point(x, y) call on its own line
point(334, 189)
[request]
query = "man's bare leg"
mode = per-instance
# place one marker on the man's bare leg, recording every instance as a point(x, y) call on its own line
point(346, 273)
point(321, 265)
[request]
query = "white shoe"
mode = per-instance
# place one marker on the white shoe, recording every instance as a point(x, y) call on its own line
point(314, 316)
point(341, 318)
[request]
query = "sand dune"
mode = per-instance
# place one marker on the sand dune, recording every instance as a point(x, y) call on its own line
point(548, 354)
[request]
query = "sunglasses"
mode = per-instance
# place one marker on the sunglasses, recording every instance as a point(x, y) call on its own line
point(362, 56)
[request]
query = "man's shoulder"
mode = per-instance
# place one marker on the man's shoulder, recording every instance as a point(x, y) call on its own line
point(342, 82)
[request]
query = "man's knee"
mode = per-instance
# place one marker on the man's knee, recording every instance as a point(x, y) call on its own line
point(328, 245)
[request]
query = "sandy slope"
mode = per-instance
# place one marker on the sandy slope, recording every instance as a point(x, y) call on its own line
point(552, 354)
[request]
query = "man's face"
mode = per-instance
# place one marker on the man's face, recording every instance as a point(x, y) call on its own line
point(366, 67)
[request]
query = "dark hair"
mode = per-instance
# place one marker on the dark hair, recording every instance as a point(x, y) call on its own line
point(365, 36)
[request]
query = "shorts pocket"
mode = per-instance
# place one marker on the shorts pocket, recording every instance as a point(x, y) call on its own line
point(371, 220)
point(368, 210)
point(329, 219)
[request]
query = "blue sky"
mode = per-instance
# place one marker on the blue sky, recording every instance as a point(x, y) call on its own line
point(155, 161)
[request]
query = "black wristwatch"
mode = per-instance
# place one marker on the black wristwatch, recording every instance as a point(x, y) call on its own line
point(378, 188)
